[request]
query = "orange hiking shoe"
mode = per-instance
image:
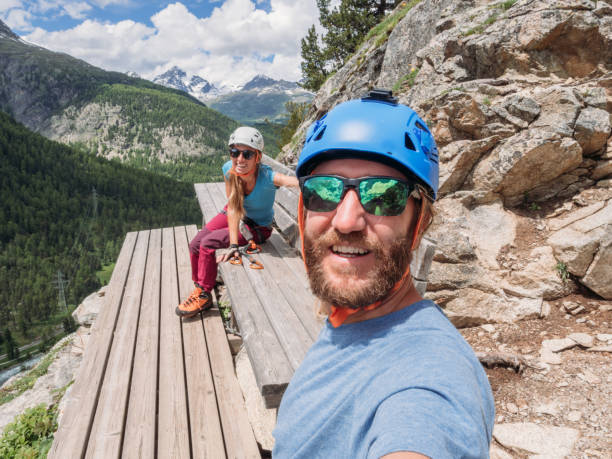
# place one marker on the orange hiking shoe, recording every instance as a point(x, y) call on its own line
point(198, 301)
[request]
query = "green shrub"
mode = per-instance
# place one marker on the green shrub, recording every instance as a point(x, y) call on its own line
point(562, 271)
point(409, 78)
point(30, 435)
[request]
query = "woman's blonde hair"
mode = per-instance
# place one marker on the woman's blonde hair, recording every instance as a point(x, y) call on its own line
point(236, 197)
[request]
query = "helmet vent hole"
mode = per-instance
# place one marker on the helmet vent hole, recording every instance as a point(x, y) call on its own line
point(420, 126)
point(408, 142)
point(320, 134)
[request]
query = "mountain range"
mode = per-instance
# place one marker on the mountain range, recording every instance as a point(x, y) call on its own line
point(112, 114)
point(261, 98)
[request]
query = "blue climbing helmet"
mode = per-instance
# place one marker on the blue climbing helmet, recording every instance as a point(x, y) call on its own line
point(376, 128)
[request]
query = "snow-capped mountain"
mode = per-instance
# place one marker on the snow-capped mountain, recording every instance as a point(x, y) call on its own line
point(263, 82)
point(262, 98)
point(197, 86)
point(259, 99)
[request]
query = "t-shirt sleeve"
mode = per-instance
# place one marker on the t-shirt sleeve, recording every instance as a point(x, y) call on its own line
point(226, 168)
point(426, 422)
point(270, 173)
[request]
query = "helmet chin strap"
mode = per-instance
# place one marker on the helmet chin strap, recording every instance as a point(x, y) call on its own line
point(339, 314)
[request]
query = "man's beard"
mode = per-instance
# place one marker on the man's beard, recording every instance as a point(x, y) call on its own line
point(391, 264)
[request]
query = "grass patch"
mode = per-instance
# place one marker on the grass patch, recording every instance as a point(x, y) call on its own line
point(105, 273)
point(534, 206)
point(383, 29)
point(504, 6)
point(456, 88)
point(409, 79)
point(562, 271)
point(27, 381)
point(480, 28)
point(486, 101)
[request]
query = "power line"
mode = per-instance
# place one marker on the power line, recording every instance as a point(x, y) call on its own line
point(60, 284)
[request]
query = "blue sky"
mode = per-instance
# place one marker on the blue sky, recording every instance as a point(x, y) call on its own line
point(224, 41)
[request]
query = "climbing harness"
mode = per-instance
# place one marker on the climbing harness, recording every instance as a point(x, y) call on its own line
point(248, 251)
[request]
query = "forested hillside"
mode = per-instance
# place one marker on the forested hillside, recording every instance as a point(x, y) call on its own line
point(66, 210)
point(112, 114)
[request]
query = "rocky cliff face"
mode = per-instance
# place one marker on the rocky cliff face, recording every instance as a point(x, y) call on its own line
point(519, 98)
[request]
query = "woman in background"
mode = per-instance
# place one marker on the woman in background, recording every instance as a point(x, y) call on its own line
point(251, 188)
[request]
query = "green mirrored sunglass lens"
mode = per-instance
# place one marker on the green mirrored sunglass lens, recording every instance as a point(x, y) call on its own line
point(383, 196)
point(322, 194)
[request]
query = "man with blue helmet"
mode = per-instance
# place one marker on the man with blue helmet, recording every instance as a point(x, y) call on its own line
point(389, 375)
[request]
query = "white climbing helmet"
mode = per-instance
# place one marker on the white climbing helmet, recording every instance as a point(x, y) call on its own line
point(249, 136)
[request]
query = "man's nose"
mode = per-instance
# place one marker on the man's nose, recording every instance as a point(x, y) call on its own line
point(349, 215)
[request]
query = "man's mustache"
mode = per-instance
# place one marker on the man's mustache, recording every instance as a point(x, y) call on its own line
point(356, 238)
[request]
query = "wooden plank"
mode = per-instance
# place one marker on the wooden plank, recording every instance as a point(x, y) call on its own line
point(200, 194)
point(209, 209)
point(288, 327)
point(106, 433)
point(206, 436)
point(288, 200)
point(73, 433)
point(422, 258)
point(286, 324)
point(300, 299)
point(270, 364)
point(140, 426)
point(286, 225)
point(294, 326)
point(239, 438)
point(173, 428)
point(277, 166)
point(291, 258)
point(421, 286)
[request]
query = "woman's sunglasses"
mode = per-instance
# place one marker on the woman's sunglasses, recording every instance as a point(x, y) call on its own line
point(246, 154)
point(385, 196)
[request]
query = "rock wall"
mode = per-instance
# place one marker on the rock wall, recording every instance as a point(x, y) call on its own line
point(519, 99)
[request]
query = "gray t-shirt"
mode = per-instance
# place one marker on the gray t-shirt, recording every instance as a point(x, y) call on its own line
point(406, 381)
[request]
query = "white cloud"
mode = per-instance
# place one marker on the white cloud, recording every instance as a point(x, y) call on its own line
point(18, 19)
point(6, 5)
point(236, 42)
point(105, 3)
point(76, 10)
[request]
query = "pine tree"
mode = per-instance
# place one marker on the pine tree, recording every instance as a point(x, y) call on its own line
point(345, 27)
point(297, 112)
point(12, 350)
point(313, 62)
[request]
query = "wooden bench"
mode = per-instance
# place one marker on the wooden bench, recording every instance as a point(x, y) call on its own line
point(274, 307)
point(151, 385)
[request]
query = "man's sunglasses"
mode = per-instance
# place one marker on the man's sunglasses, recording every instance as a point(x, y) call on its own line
point(386, 196)
point(246, 154)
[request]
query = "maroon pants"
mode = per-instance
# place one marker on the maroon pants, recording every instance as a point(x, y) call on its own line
point(215, 235)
